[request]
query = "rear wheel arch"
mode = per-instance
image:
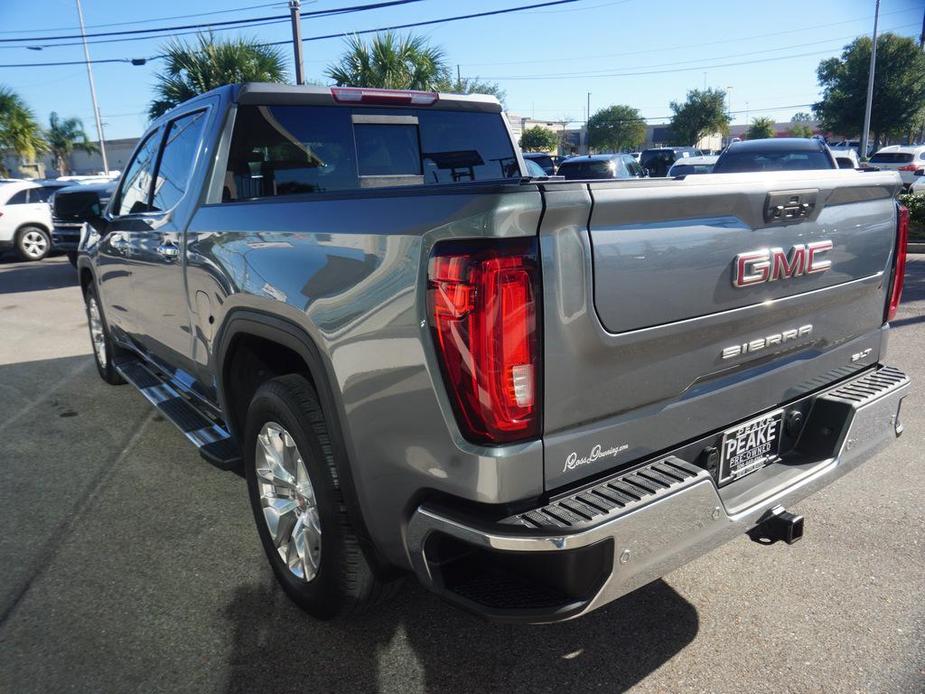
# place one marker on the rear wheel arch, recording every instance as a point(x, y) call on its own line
point(26, 225)
point(266, 335)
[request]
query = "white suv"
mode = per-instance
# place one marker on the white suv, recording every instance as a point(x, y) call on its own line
point(25, 217)
point(903, 158)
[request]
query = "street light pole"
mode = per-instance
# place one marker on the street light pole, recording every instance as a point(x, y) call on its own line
point(294, 7)
point(588, 125)
point(96, 108)
point(870, 85)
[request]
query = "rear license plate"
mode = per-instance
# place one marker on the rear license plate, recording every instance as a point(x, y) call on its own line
point(750, 446)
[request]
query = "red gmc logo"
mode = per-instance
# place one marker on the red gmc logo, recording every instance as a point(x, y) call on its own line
point(772, 264)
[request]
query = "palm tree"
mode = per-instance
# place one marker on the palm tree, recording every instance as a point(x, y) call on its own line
point(390, 61)
point(19, 130)
point(64, 136)
point(194, 69)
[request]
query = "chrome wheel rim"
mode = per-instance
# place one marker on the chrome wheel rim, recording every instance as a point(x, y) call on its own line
point(287, 499)
point(34, 244)
point(97, 336)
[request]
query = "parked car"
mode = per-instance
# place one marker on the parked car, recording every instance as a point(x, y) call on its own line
point(846, 158)
point(853, 145)
point(918, 183)
point(658, 160)
point(692, 165)
point(25, 217)
point(775, 154)
point(600, 166)
point(534, 170)
point(70, 206)
point(536, 397)
point(905, 159)
point(546, 161)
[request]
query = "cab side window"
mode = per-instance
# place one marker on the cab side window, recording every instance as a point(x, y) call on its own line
point(135, 192)
point(177, 160)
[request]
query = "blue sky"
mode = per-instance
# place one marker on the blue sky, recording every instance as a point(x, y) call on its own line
point(546, 59)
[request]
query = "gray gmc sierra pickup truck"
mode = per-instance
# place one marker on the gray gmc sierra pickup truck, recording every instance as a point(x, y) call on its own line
point(535, 395)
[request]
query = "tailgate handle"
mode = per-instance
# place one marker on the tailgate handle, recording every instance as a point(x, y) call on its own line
point(790, 205)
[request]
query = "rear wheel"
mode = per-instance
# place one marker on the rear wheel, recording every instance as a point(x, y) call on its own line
point(33, 243)
point(298, 504)
point(103, 349)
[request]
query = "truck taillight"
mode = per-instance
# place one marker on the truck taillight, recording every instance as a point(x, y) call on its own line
point(384, 97)
point(483, 301)
point(899, 267)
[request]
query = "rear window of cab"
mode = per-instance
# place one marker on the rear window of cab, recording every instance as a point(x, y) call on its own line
point(286, 150)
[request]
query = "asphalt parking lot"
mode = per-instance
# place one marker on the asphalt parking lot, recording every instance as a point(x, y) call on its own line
point(127, 563)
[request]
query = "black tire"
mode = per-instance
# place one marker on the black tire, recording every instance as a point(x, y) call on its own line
point(107, 371)
point(72, 258)
point(33, 243)
point(344, 581)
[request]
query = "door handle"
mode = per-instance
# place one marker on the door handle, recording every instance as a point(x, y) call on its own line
point(168, 250)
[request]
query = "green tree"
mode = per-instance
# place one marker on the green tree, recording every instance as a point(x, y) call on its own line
point(20, 132)
point(702, 113)
point(760, 128)
point(391, 61)
point(539, 139)
point(899, 88)
point(616, 128)
point(472, 85)
point(801, 125)
point(64, 136)
point(195, 68)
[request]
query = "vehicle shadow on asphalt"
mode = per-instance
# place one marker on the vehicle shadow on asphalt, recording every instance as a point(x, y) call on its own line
point(276, 647)
point(53, 273)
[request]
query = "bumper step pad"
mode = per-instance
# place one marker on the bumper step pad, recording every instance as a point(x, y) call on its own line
point(613, 496)
point(213, 441)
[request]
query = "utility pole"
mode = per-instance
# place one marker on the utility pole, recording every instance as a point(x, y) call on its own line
point(588, 125)
point(294, 7)
point(729, 108)
point(922, 35)
point(458, 75)
point(870, 84)
point(96, 108)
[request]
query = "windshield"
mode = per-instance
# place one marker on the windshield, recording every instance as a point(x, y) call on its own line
point(740, 162)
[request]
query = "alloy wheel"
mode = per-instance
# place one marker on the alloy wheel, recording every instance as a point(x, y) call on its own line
point(97, 335)
point(288, 500)
point(34, 244)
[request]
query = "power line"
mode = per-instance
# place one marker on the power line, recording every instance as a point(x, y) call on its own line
point(430, 21)
point(228, 22)
point(656, 72)
point(587, 73)
point(663, 49)
point(141, 61)
point(145, 21)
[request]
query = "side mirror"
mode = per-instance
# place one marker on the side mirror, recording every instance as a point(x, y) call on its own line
point(844, 163)
point(81, 206)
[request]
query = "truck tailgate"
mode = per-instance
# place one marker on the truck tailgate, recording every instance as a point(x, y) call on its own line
point(648, 340)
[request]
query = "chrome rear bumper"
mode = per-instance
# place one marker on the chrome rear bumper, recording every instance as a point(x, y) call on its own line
point(643, 536)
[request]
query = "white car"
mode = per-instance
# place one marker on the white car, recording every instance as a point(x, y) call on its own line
point(25, 217)
point(693, 165)
point(918, 183)
point(906, 159)
point(846, 153)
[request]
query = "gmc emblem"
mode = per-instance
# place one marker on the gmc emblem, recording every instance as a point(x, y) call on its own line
point(772, 264)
